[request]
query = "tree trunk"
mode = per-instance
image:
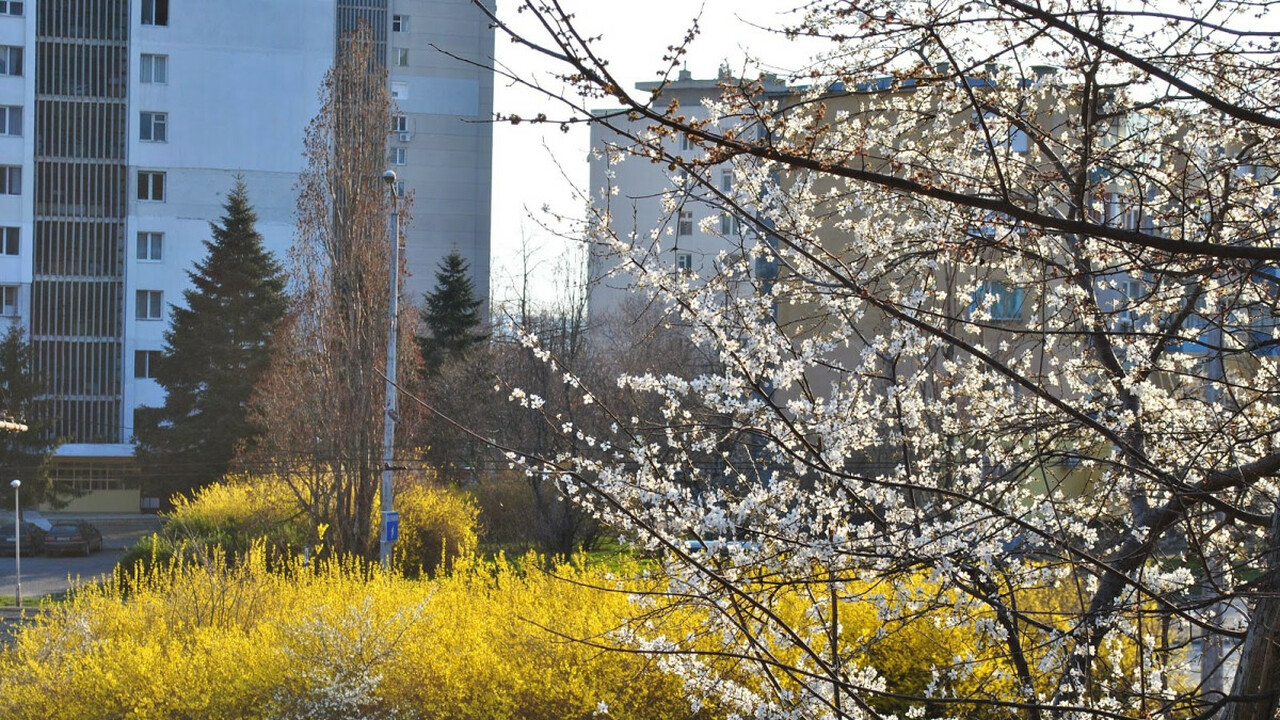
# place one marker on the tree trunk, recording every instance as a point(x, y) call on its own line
point(1256, 688)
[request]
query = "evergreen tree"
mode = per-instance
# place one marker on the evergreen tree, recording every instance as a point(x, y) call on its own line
point(215, 351)
point(451, 316)
point(23, 453)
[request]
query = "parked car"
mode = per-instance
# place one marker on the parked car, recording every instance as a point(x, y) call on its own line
point(32, 539)
point(35, 518)
point(77, 537)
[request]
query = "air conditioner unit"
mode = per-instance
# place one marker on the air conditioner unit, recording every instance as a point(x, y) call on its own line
point(406, 137)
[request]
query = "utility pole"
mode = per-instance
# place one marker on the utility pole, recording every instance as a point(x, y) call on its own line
point(390, 522)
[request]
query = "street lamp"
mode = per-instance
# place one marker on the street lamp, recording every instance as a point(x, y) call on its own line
point(17, 539)
point(390, 523)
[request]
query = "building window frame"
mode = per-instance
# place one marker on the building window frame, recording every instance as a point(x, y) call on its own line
point(10, 179)
point(11, 60)
point(10, 240)
point(150, 305)
point(153, 126)
point(150, 247)
point(401, 56)
point(13, 8)
point(151, 185)
point(684, 262)
point(399, 156)
point(684, 223)
point(1007, 303)
point(11, 120)
point(729, 224)
point(153, 69)
point(144, 363)
point(155, 13)
point(8, 300)
point(399, 23)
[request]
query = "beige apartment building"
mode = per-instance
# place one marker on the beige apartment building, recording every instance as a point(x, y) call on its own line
point(934, 263)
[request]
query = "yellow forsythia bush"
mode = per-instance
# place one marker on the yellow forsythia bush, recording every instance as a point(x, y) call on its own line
point(486, 641)
point(235, 512)
point(437, 525)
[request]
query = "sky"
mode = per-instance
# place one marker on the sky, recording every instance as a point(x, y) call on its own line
point(537, 166)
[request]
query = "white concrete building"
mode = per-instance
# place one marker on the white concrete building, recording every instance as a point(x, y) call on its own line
point(122, 126)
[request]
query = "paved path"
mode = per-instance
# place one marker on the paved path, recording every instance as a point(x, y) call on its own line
point(43, 575)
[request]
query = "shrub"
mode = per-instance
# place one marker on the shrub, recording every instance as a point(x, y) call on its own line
point(228, 518)
point(335, 640)
point(437, 526)
point(239, 512)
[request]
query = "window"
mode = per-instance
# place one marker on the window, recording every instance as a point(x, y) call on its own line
point(10, 180)
point(402, 57)
point(1005, 302)
point(399, 91)
point(400, 123)
point(1131, 294)
point(10, 60)
point(1003, 133)
point(399, 23)
point(150, 246)
point(685, 142)
point(10, 7)
point(154, 127)
point(399, 155)
point(150, 185)
point(400, 188)
point(9, 237)
point(8, 300)
point(726, 180)
point(150, 304)
point(10, 120)
point(728, 224)
point(145, 363)
point(685, 226)
point(155, 12)
point(154, 69)
point(684, 262)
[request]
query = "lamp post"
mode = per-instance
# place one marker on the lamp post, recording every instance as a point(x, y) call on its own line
point(17, 538)
point(390, 525)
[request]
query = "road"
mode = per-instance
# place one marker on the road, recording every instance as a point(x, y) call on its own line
point(43, 575)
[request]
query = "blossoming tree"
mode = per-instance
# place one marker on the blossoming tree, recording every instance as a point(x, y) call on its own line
point(994, 341)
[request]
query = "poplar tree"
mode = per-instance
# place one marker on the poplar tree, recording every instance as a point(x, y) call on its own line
point(215, 351)
point(322, 400)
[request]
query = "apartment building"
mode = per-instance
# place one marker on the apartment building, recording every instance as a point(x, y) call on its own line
point(964, 262)
point(685, 224)
point(122, 126)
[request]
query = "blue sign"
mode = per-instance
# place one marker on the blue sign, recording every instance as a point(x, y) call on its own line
point(390, 526)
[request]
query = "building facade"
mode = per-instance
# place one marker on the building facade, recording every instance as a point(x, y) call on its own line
point(690, 224)
point(124, 125)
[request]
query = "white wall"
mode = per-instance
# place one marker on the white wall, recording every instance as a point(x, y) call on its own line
point(243, 78)
point(450, 155)
point(16, 211)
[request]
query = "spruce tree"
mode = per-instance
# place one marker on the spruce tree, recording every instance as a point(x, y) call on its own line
point(215, 350)
point(451, 316)
point(23, 453)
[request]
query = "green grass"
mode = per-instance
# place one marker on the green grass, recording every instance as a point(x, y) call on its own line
point(34, 600)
